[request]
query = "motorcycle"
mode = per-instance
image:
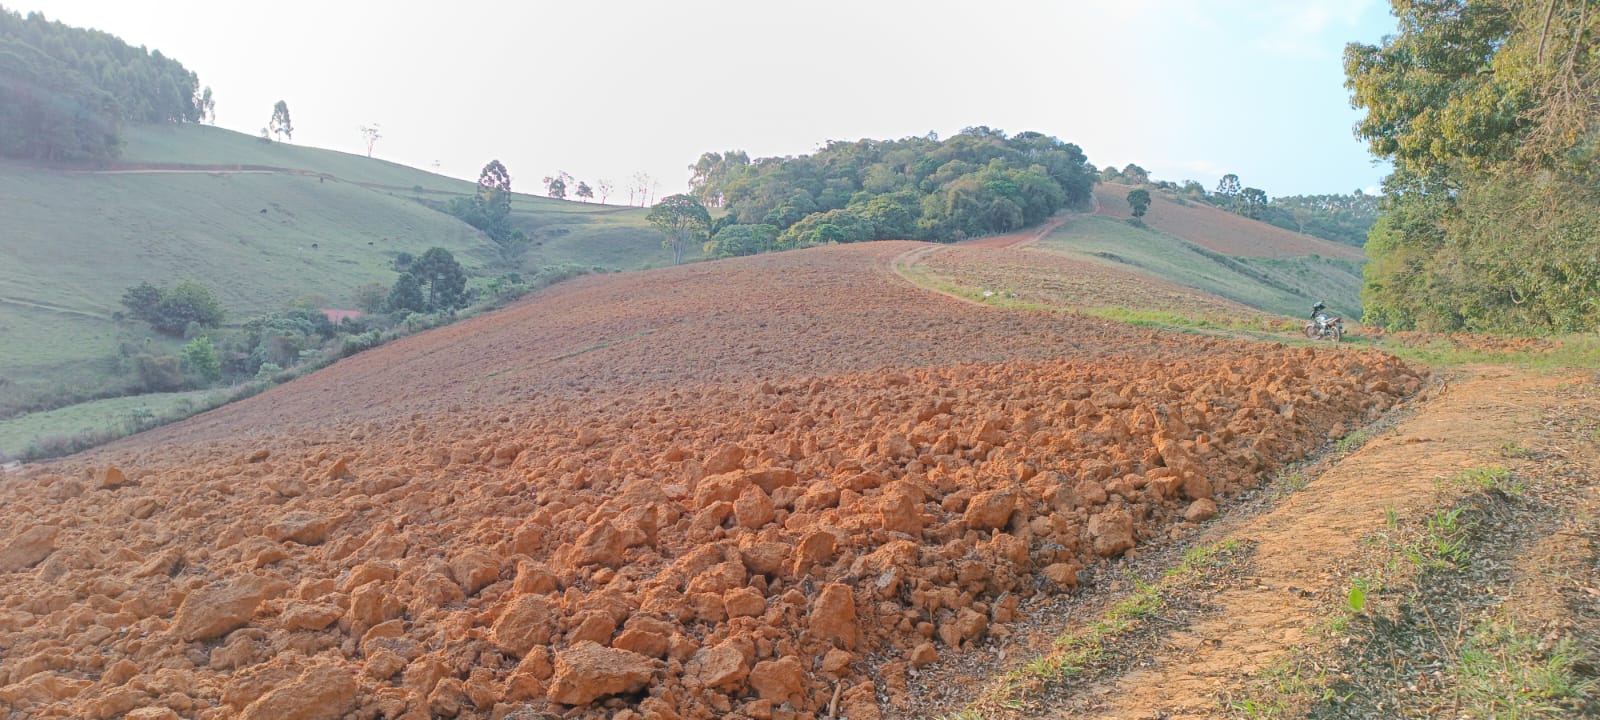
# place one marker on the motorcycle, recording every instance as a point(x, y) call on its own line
point(1324, 327)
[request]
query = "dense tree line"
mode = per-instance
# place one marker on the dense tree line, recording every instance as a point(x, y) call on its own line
point(1490, 111)
point(978, 182)
point(65, 91)
point(1337, 217)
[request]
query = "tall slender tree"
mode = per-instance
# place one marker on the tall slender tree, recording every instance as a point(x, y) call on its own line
point(280, 124)
point(370, 134)
point(207, 106)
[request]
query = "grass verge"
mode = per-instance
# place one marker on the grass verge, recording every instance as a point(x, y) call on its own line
point(1083, 649)
point(1426, 629)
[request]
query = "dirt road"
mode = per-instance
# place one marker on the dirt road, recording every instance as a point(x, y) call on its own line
point(1207, 655)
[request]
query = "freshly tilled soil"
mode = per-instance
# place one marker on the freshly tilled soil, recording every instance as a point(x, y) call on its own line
point(730, 490)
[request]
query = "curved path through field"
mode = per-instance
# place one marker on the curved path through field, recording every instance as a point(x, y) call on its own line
point(1305, 547)
point(1308, 548)
point(52, 308)
point(902, 263)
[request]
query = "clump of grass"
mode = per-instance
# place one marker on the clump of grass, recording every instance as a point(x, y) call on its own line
point(1489, 478)
point(1286, 686)
point(1084, 648)
point(1351, 442)
point(1503, 672)
point(1513, 450)
point(1290, 484)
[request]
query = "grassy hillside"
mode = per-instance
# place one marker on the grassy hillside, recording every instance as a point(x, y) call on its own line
point(205, 145)
point(589, 234)
point(74, 240)
point(1286, 284)
point(563, 232)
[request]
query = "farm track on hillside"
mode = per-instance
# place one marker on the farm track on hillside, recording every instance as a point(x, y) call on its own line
point(182, 169)
point(53, 308)
point(766, 487)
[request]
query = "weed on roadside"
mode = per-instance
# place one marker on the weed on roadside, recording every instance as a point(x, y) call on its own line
point(1088, 648)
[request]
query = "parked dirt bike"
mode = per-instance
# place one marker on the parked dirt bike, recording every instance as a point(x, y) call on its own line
point(1323, 327)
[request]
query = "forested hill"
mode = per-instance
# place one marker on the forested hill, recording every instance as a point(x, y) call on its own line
point(978, 182)
point(65, 91)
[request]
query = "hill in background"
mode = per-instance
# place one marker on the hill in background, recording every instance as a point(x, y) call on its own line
point(260, 223)
point(1221, 253)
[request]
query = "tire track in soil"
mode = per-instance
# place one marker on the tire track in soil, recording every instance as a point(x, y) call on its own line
point(900, 264)
point(1305, 544)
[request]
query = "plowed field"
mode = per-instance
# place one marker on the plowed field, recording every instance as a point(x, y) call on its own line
point(1219, 230)
point(764, 488)
point(1041, 278)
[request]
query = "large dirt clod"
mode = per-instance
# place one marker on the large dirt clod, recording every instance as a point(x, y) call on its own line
point(587, 671)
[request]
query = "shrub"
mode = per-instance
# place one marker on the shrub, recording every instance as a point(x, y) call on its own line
point(159, 373)
point(200, 357)
point(364, 341)
point(370, 297)
point(267, 372)
point(141, 300)
point(187, 302)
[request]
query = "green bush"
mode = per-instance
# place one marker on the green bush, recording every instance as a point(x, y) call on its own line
point(364, 341)
point(159, 373)
point(267, 372)
point(370, 297)
point(171, 312)
point(200, 357)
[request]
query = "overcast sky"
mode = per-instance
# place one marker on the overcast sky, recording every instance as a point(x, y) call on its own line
point(608, 89)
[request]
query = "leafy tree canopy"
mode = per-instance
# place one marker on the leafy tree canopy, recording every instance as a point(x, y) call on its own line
point(489, 210)
point(281, 124)
point(1490, 111)
point(1139, 200)
point(170, 311)
point(446, 283)
point(978, 182)
point(65, 91)
point(681, 219)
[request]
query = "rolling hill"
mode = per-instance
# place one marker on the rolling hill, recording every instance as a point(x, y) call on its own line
point(1186, 263)
point(1217, 252)
point(260, 223)
point(266, 223)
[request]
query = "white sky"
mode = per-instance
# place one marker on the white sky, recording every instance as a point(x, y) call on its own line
point(607, 89)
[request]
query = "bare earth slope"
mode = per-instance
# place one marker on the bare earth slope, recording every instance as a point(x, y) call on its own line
point(817, 311)
point(1219, 230)
point(759, 489)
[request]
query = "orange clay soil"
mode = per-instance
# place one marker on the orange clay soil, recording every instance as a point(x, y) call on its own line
point(1048, 279)
point(733, 489)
